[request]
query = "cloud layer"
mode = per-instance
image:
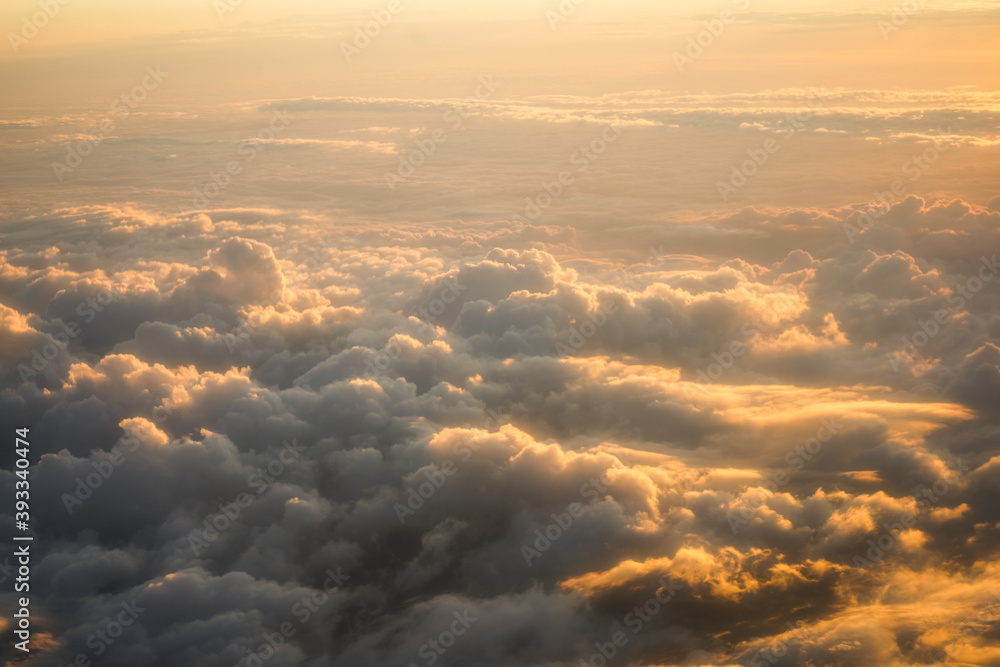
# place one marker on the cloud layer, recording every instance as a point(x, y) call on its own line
point(763, 436)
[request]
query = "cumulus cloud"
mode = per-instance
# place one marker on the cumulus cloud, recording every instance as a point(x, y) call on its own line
point(508, 434)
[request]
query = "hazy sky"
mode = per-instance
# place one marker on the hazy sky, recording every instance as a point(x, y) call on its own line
point(434, 47)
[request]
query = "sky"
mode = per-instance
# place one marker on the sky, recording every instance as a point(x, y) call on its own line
point(533, 333)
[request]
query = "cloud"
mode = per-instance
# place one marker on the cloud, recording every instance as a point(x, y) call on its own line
point(510, 424)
